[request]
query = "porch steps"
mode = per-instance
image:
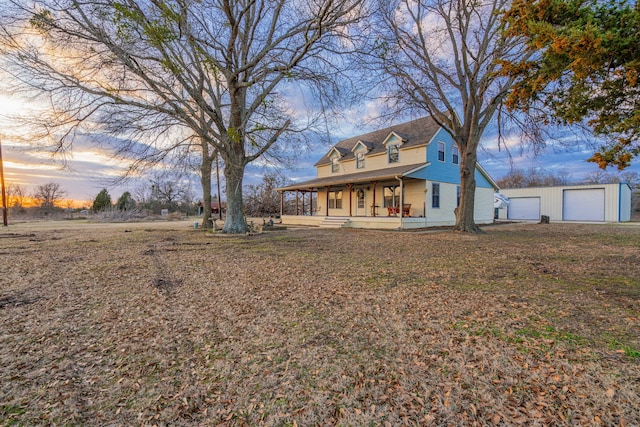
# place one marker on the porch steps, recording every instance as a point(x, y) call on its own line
point(334, 222)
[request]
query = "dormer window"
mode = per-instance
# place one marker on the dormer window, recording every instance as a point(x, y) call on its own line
point(335, 166)
point(455, 154)
point(359, 150)
point(393, 142)
point(393, 153)
point(441, 151)
point(334, 157)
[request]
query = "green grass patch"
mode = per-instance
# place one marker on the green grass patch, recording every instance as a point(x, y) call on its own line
point(628, 350)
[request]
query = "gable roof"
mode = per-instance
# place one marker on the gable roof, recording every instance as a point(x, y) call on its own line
point(415, 132)
point(340, 150)
point(396, 135)
point(360, 143)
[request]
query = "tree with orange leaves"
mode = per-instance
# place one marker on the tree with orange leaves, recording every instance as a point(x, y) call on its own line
point(586, 68)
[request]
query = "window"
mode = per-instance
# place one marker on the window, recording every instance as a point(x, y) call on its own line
point(393, 154)
point(360, 161)
point(457, 196)
point(455, 154)
point(441, 151)
point(335, 166)
point(335, 199)
point(391, 196)
point(435, 195)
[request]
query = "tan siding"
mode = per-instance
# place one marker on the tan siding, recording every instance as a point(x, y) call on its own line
point(414, 194)
point(324, 171)
point(413, 155)
point(349, 167)
point(376, 162)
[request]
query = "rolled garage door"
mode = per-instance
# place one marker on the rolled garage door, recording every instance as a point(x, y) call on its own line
point(524, 208)
point(583, 205)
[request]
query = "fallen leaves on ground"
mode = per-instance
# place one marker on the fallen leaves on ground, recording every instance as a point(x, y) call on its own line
point(526, 324)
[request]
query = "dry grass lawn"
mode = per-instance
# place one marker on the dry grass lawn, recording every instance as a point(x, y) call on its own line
point(163, 325)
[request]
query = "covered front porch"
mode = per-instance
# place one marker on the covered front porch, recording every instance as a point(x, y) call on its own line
point(393, 198)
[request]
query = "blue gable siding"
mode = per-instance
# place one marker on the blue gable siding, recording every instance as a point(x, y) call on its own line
point(481, 181)
point(442, 171)
point(445, 171)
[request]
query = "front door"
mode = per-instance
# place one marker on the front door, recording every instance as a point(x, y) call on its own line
point(361, 203)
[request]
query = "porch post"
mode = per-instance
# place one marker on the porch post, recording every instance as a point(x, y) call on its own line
point(281, 203)
point(373, 206)
point(401, 197)
point(311, 202)
point(401, 202)
point(297, 209)
point(327, 202)
point(349, 186)
point(303, 193)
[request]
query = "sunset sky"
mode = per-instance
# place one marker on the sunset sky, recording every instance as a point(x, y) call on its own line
point(88, 169)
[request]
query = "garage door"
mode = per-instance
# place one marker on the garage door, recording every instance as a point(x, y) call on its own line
point(524, 208)
point(583, 205)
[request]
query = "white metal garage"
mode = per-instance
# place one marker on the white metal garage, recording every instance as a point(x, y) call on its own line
point(593, 202)
point(524, 208)
point(583, 205)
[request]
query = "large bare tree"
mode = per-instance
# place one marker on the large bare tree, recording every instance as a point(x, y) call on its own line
point(443, 57)
point(49, 195)
point(178, 70)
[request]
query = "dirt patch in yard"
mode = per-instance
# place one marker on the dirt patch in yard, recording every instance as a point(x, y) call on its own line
point(526, 324)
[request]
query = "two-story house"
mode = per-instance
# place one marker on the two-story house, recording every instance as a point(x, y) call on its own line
point(403, 176)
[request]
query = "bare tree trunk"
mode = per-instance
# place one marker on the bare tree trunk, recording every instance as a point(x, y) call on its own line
point(235, 160)
point(234, 221)
point(464, 213)
point(205, 180)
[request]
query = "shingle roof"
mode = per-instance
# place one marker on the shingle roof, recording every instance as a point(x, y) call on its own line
point(415, 132)
point(353, 178)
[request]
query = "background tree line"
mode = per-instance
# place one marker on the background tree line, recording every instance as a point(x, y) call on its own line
point(44, 200)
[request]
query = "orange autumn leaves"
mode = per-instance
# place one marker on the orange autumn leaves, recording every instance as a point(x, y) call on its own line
point(585, 69)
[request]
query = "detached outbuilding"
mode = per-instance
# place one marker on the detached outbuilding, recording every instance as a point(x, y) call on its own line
point(590, 203)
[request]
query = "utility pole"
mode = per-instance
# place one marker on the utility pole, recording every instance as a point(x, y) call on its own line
point(4, 192)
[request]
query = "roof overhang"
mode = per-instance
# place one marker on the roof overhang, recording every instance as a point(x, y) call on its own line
point(356, 178)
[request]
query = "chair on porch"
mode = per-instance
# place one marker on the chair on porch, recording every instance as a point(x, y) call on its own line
point(406, 209)
point(392, 210)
